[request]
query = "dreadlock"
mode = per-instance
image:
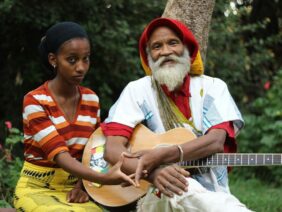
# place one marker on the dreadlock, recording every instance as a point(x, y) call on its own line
point(168, 116)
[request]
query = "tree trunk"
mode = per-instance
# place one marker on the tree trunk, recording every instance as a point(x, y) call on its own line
point(196, 14)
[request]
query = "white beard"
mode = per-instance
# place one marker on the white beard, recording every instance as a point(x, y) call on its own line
point(171, 75)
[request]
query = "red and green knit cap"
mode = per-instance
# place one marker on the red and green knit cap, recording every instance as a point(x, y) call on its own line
point(184, 34)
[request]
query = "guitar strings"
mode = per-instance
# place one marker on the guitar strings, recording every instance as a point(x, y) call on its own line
point(237, 159)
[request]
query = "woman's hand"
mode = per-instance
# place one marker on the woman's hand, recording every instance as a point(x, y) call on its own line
point(116, 176)
point(77, 195)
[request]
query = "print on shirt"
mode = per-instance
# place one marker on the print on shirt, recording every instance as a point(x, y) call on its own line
point(208, 103)
point(146, 110)
point(148, 114)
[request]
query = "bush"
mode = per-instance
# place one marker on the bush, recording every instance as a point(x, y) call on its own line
point(263, 131)
point(10, 165)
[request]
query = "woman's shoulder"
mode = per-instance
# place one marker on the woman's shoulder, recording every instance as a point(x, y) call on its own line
point(86, 90)
point(39, 91)
point(88, 94)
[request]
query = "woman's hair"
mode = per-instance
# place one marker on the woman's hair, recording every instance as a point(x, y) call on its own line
point(56, 36)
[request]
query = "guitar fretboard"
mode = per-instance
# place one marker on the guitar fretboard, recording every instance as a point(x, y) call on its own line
point(236, 159)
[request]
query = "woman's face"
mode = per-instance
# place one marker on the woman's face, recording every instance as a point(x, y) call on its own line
point(73, 60)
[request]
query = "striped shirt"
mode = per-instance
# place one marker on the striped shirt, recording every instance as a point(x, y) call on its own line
point(47, 132)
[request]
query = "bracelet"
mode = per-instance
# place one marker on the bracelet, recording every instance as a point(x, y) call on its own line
point(180, 152)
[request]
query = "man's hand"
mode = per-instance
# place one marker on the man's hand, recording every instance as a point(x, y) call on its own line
point(170, 180)
point(148, 160)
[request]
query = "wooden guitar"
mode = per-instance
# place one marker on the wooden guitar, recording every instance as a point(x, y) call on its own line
point(143, 138)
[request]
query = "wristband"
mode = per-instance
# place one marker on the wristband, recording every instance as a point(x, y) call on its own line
point(181, 155)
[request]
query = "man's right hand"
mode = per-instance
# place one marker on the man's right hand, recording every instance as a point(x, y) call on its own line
point(170, 180)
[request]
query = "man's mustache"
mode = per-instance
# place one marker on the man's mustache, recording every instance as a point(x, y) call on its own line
point(162, 59)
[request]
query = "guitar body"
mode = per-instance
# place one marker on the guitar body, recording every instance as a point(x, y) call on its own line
point(142, 138)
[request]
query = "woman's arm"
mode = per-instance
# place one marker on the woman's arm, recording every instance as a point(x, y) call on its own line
point(113, 176)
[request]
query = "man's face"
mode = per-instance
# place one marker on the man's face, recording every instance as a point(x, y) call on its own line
point(168, 58)
point(165, 42)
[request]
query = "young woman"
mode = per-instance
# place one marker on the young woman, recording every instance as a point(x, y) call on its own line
point(58, 118)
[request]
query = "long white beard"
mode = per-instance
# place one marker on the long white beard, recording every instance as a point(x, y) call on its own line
point(171, 75)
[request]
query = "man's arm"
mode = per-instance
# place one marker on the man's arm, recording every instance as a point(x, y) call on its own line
point(115, 145)
point(212, 142)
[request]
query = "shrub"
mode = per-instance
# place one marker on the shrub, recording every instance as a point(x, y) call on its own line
point(263, 131)
point(10, 164)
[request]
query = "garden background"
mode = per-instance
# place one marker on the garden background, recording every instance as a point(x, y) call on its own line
point(244, 49)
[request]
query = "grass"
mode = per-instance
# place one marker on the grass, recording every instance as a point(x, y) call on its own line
point(258, 196)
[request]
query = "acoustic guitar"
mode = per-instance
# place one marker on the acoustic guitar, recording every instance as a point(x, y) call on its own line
point(143, 138)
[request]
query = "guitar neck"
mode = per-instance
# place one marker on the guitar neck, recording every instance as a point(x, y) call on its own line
point(236, 159)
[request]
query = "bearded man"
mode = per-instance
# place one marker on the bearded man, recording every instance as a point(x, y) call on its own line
point(175, 93)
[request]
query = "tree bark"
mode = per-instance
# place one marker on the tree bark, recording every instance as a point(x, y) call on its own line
point(196, 14)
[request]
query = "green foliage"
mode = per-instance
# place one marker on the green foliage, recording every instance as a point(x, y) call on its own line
point(239, 51)
point(15, 136)
point(11, 164)
point(246, 52)
point(9, 179)
point(263, 131)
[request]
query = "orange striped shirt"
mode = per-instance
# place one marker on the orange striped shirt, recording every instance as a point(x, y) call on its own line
point(46, 130)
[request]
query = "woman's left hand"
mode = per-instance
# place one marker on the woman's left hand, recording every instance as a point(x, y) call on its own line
point(77, 195)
